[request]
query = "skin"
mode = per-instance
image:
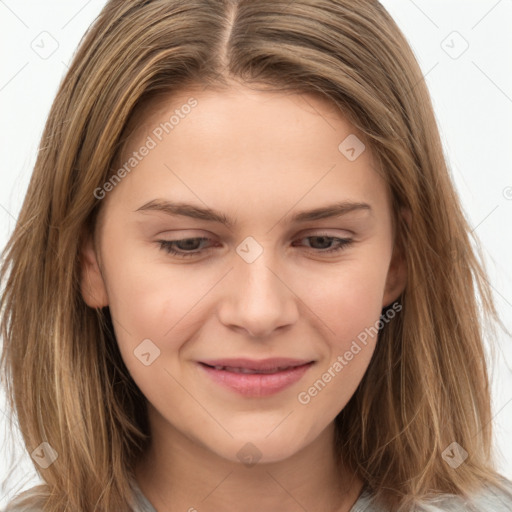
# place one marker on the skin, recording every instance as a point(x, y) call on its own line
point(294, 300)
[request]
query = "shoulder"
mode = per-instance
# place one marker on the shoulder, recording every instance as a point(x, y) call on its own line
point(488, 499)
point(30, 500)
point(34, 498)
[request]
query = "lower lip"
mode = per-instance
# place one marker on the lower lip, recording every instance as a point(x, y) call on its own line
point(257, 384)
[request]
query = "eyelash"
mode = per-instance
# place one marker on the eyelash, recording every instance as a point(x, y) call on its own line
point(167, 245)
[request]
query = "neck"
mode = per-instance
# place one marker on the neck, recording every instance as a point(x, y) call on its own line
point(179, 474)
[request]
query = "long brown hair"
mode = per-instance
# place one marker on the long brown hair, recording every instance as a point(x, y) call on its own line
point(427, 383)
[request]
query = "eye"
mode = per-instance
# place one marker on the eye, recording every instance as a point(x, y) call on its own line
point(186, 247)
point(189, 247)
point(325, 242)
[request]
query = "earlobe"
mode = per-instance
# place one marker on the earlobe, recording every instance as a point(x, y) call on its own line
point(396, 279)
point(92, 284)
point(397, 272)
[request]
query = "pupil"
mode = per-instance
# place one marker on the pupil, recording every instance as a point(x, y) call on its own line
point(189, 243)
point(322, 239)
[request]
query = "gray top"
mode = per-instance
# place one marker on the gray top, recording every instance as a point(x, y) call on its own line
point(488, 500)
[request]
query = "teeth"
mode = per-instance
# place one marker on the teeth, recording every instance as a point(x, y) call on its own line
point(248, 370)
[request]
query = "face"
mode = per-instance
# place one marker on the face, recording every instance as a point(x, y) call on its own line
point(242, 257)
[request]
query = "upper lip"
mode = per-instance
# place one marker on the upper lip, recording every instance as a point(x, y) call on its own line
point(260, 364)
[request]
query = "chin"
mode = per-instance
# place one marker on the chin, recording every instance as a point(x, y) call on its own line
point(258, 449)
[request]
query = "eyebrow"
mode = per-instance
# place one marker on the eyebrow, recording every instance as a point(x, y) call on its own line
point(208, 214)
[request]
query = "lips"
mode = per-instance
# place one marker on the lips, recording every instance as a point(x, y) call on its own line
point(256, 378)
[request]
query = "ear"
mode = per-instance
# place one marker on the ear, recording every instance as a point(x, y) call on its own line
point(92, 284)
point(397, 272)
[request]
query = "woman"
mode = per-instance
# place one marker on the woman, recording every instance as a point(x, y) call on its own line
point(241, 278)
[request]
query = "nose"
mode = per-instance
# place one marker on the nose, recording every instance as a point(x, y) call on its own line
point(257, 299)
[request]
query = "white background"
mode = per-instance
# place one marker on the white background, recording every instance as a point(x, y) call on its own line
point(472, 96)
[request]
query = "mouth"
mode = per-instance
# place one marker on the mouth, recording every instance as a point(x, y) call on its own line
point(256, 378)
point(250, 370)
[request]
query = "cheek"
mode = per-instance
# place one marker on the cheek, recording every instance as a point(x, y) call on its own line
point(350, 307)
point(147, 296)
point(347, 299)
point(152, 306)
point(159, 302)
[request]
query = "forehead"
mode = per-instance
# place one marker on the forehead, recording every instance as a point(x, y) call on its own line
point(239, 147)
point(237, 99)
